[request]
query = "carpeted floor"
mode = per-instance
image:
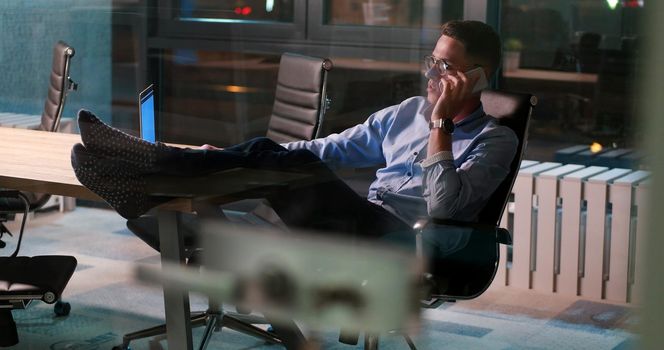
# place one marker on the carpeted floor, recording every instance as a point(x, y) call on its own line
point(106, 303)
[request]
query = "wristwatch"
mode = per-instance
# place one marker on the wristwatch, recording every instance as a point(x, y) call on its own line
point(445, 123)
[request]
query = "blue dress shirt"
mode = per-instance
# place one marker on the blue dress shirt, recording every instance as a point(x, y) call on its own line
point(410, 186)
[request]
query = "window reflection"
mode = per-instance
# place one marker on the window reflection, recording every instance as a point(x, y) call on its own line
point(392, 13)
point(580, 58)
point(237, 10)
point(217, 97)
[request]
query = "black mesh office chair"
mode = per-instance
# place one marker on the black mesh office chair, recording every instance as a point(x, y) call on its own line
point(24, 279)
point(463, 257)
point(300, 104)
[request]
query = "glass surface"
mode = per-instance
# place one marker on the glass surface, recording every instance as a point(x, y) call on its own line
point(222, 98)
point(215, 97)
point(580, 58)
point(237, 10)
point(392, 13)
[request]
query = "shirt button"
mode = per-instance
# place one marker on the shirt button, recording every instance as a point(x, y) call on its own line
point(415, 153)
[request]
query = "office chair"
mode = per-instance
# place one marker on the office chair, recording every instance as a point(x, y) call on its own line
point(59, 86)
point(463, 257)
point(299, 107)
point(23, 279)
point(300, 99)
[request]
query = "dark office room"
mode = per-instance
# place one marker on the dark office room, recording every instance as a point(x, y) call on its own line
point(331, 174)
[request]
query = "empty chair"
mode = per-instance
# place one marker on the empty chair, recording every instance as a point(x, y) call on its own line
point(300, 98)
point(58, 87)
point(299, 106)
point(24, 279)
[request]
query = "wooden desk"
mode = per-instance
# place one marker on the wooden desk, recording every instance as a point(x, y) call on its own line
point(38, 161)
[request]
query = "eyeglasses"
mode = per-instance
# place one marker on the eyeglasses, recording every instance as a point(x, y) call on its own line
point(441, 64)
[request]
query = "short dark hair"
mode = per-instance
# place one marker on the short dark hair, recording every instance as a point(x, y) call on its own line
point(479, 39)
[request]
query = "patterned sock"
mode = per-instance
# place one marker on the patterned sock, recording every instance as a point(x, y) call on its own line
point(109, 142)
point(119, 183)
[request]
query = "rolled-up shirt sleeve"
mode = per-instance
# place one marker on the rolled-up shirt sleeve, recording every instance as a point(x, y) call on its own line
point(460, 192)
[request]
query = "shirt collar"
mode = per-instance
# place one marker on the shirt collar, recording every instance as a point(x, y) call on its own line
point(478, 113)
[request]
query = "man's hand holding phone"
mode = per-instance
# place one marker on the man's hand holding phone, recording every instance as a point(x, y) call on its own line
point(455, 89)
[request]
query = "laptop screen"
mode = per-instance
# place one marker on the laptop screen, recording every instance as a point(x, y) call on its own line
point(147, 112)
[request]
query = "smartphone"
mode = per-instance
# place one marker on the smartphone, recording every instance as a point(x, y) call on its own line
point(481, 83)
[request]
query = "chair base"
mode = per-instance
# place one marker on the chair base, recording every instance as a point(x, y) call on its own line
point(213, 322)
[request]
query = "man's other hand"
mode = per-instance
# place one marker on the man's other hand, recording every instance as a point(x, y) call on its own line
point(209, 147)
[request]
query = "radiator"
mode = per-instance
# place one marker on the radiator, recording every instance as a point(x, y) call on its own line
point(577, 231)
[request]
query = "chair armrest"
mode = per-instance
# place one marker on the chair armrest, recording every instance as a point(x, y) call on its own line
point(13, 201)
point(503, 235)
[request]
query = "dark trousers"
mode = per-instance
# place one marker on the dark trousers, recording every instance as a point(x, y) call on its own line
point(321, 202)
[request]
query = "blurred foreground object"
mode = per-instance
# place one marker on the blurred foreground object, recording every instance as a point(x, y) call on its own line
point(320, 282)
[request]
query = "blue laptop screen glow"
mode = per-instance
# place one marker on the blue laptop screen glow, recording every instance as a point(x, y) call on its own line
point(148, 117)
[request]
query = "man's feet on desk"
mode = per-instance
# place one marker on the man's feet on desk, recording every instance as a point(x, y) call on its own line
point(104, 140)
point(117, 182)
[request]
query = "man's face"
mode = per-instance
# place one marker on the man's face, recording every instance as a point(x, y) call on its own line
point(453, 53)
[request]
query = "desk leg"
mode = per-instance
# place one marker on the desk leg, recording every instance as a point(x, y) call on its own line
point(178, 321)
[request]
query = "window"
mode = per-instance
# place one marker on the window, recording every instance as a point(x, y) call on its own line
point(580, 58)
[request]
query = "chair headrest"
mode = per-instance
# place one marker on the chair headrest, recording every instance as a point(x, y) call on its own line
point(509, 108)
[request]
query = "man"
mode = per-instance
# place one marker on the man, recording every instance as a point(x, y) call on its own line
point(443, 155)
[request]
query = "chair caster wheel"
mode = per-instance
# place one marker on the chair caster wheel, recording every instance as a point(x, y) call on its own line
point(61, 308)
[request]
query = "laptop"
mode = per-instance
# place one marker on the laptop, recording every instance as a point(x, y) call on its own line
point(148, 114)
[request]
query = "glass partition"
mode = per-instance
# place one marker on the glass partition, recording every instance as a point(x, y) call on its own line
point(223, 97)
point(216, 97)
point(580, 58)
point(202, 48)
